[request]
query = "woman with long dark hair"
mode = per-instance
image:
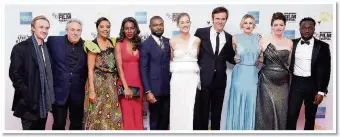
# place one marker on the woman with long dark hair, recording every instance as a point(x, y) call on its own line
point(130, 89)
point(273, 89)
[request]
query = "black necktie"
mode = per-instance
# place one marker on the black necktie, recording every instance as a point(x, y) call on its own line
point(217, 44)
point(305, 42)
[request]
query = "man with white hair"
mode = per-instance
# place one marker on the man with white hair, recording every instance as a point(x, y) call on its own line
point(69, 65)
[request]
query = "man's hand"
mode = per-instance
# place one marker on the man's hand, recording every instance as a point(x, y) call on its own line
point(150, 98)
point(318, 99)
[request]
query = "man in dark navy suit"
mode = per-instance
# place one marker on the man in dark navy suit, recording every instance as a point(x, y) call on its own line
point(154, 69)
point(70, 74)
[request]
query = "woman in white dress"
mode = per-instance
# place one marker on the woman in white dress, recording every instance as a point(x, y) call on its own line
point(185, 75)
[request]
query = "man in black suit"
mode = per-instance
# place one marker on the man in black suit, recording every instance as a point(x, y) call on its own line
point(311, 67)
point(70, 75)
point(215, 50)
point(31, 74)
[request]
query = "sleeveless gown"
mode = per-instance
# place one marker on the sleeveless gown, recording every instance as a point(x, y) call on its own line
point(184, 82)
point(243, 89)
point(272, 96)
point(132, 109)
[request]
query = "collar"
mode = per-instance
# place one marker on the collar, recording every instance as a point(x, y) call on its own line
point(68, 41)
point(213, 31)
point(156, 38)
point(310, 40)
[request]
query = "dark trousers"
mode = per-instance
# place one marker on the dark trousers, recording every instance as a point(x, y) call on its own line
point(302, 90)
point(39, 124)
point(160, 113)
point(76, 111)
point(209, 99)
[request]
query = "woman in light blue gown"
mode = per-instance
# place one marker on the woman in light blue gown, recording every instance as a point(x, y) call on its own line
point(242, 98)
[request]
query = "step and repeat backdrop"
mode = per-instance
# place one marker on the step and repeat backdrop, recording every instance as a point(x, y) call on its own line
point(18, 19)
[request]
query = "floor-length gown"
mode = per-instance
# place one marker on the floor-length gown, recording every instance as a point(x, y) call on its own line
point(243, 89)
point(105, 113)
point(184, 82)
point(272, 96)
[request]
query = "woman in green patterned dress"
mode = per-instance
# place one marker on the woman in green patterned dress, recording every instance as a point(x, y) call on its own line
point(103, 108)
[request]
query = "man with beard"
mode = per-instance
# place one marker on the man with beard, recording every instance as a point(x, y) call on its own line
point(70, 75)
point(154, 69)
point(311, 68)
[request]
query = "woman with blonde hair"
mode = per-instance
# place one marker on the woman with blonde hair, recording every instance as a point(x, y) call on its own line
point(242, 97)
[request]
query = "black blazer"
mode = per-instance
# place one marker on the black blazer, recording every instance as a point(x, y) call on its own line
point(24, 74)
point(209, 63)
point(321, 64)
point(67, 82)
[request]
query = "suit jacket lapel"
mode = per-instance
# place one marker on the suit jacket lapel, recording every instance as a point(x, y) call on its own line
point(226, 41)
point(80, 56)
point(295, 43)
point(33, 53)
point(62, 45)
point(208, 46)
point(166, 44)
point(315, 52)
point(155, 45)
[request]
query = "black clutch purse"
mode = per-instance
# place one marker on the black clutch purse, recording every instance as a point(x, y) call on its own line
point(135, 91)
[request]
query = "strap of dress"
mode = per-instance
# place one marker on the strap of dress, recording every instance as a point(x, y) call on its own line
point(191, 42)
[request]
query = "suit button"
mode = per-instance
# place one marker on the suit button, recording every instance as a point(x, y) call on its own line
point(215, 70)
point(69, 83)
point(71, 73)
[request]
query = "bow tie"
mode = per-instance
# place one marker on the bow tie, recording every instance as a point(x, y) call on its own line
point(305, 42)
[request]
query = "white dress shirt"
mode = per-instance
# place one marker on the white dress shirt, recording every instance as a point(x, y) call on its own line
point(213, 35)
point(157, 39)
point(303, 60)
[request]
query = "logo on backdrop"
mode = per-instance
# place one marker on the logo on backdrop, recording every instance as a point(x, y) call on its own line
point(256, 15)
point(103, 14)
point(94, 34)
point(175, 33)
point(25, 18)
point(290, 34)
point(22, 37)
point(290, 16)
point(325, 36)
point(325, 17)
point(208, 22)
point(321, 112)
point(141, 17)
point(62, 33)
point(172, 16)
point(62, 17)
point(144, 35)
point(318, 127)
